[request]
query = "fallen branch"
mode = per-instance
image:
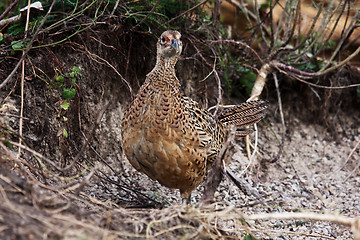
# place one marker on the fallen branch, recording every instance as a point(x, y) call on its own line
point(354, 223)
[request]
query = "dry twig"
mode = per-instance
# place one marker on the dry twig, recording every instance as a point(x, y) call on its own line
point(22, 81)
point(354, 223)
point(215, 176)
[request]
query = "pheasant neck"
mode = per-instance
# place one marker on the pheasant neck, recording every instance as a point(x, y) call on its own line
point(163, 75)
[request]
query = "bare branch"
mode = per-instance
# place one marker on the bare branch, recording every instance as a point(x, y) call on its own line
point(241, 44)
point(354, 223)
point(8, 9)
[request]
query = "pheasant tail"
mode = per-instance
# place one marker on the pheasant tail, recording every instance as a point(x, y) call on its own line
point(243, 115)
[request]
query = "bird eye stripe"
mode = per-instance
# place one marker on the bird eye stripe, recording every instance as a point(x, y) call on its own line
point(165, 39)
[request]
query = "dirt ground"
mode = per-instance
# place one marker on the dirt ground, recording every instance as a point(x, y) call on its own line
point(313, 174)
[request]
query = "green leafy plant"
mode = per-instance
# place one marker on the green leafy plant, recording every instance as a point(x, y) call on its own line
point(68, 92)
point(65, 133)
point(59, 81)
point(247, 79)
point(65, 105)
point(19, 45)
point(239, 83)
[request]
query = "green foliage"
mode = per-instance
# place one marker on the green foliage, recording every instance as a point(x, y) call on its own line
point(65, 105)
point(330, 44)
point(15, 28)
point(247, 79)
point(67, 7)
point(67, 86)
point(19, 27)
point(19, 45)
point(68, 93)
point(5, 134)
point(237, 79)
point(138, 11)
point(65, 133)
point(75, 73)
point(59, 81)
point(358, 94)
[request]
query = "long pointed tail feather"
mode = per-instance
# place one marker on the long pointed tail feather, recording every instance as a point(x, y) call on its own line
point(245, 114)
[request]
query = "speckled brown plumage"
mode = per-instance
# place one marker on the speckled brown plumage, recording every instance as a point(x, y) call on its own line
point(169, 137)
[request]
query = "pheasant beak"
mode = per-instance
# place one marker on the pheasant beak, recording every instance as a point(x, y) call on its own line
point(175, 44)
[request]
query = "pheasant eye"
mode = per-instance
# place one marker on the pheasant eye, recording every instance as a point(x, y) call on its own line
point(164, 39)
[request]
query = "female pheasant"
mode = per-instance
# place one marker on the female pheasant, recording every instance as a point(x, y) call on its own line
point(169, 137)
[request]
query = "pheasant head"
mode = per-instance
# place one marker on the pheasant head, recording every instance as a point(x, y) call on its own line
point(169, 45)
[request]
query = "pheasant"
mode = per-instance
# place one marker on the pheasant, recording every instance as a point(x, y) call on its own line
point(168, 136)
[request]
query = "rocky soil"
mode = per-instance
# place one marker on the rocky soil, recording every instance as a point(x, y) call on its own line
point(314, 173)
